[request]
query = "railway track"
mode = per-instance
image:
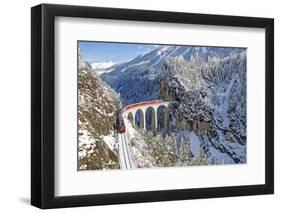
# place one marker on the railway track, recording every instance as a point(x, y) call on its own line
point(125, 157)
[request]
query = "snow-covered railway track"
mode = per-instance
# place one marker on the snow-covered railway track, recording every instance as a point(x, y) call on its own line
point(125, 157)
point(125, 149)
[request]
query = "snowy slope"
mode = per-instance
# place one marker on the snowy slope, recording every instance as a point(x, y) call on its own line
point(211, 102)
point(102, 67)
point(131, 77)
point(96, 115)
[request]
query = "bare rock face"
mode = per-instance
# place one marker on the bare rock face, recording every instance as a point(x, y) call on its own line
point(96, 108)
point(165, 93)
point(191, 111)
point(201, 127)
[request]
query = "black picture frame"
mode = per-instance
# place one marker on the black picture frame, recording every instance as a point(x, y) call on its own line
point(43, 102)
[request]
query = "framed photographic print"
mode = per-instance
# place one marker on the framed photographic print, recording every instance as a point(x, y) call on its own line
point(139, 106)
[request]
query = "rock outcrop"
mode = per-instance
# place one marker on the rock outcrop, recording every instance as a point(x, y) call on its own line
point(211, 100)
point(97, 104)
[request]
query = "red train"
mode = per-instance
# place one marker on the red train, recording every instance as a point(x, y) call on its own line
point(141, 103)
point(120, 126)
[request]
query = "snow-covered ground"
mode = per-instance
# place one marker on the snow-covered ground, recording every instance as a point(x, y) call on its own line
point(138, 149)
point(221, 111)
point(126, 159)
point(88, 144)
point(102, 67)
point(110, 141)
point(194, 143)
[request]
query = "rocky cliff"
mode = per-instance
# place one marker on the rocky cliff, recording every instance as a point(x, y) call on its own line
point(97, 104)
point(211, 101)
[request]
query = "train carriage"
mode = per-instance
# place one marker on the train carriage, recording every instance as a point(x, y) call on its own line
point(120, 126)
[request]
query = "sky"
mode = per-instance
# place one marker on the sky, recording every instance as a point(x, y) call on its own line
point(115, 52)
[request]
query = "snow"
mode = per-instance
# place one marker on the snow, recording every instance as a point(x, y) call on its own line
point(194, 144)
point(110, 141)
point(100, 72)
point(157, 62)
point(219, 84)
point(173, 51)
point(123, 70)
point(138, 151)
point(122, 158)
point(162, 49)
point(129, 152)
point(204, 49)
point(102, 65)
point(219, 157)
point(222, 110)
point(86, 143)
point(130, 131)
point(126, 159)
point(134, 65)
point(224, 88)
point(186, 51)
point(161, 53)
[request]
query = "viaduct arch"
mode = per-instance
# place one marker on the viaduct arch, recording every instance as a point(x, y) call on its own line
point(157, 109)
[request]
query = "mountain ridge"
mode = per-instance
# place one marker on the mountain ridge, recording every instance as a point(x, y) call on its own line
point(129, 78)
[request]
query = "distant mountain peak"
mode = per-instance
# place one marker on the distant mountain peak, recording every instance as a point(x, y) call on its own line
point(102, 65)
point(163, 49)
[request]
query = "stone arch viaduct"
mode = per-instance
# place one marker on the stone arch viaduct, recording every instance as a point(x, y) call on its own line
point(143, 108)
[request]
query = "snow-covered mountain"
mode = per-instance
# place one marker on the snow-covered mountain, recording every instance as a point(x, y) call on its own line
point(211, 101)
point(209, 84)
point(130, 78)
point(102, 67)
point(97, 104)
